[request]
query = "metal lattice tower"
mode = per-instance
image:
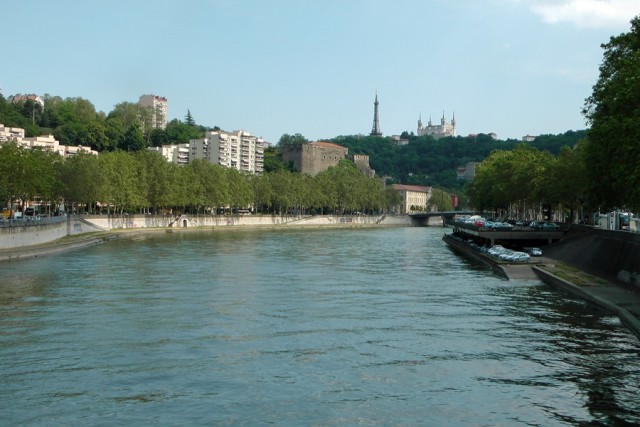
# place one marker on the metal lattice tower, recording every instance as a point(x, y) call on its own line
point(375, 130)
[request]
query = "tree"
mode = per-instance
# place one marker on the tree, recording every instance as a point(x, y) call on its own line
point(181, 133)
point(158, 137)
point(612, 152)
point(133, 140)
point(82, 181)
point(273, 160)
point(508, 180)
point(129, 114)
point(188, 119)
point(296, 139)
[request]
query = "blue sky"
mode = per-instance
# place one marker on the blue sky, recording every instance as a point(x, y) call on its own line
point(513, 67)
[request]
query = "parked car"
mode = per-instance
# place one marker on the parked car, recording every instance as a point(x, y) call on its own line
point(533, 251)
point(505, 256)
point(550, 226)
point(502, 226)
point(519, 257)
point(497, 250)
point(536, 225)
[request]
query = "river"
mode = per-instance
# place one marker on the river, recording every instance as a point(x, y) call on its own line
point(371, 327)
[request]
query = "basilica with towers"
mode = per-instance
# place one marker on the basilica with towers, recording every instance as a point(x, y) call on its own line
point(445, 128)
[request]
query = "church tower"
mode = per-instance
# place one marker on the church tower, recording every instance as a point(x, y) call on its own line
point(375, 130)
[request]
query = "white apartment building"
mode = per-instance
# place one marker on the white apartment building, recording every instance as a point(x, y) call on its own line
point(175, 153)
point(10, 134)
point(238, 149)
point(47, 142)
point(159, 105)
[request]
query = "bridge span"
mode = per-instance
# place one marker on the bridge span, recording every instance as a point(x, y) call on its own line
point(424, 219)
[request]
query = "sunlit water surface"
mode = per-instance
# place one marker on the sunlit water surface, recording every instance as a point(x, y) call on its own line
point(380, 327)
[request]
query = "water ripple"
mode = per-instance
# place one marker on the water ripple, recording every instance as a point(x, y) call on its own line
point(342, 327)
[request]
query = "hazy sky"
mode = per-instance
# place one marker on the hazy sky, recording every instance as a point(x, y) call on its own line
point(513, 67)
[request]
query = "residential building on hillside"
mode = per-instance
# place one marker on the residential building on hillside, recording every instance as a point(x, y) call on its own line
point(445, 128)
point(159, 106)
point(467, 172)
point(238, 149)
point(47, 142)
point(10, 134)
point(399, 140)
point(413, 198)
point(174, 153)
point(23, 98)
point(314, 157)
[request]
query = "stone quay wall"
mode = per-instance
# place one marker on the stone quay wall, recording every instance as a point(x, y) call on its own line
point(613, 255)
point(33, 233)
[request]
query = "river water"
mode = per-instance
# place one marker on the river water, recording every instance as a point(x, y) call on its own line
point(372, 327)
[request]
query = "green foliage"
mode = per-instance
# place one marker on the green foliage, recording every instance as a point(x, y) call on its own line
point(27, 173)
point(426, 161)
point(296, 139)
point(133, 140)
point(273, 160)
point(525, 178)
point(180, 133)
point(188, 119)
point(612, 151)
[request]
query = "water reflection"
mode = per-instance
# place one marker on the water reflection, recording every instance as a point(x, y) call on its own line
point(345, 327)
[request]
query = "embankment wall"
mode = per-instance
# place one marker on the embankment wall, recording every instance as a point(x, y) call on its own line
point(21, 235)
point(25, 233)
point(605, 253)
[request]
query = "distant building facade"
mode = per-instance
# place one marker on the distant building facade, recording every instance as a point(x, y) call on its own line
point(159, 106)
point(467, 172)
point(314, 157)
point(413, 198)
point(399, 141)
point(11, 134)
point(445, 128)
point(23, 98)
point(46, 142)
point(362, 163)
point(238, 149)
point(174, 153)
point(529, 138)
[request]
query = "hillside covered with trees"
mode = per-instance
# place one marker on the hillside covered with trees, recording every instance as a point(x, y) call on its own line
point(75, 121)
point(422, 161)
point(427, 161)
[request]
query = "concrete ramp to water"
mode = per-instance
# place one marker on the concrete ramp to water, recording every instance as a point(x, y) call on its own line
point(519, 272)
